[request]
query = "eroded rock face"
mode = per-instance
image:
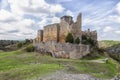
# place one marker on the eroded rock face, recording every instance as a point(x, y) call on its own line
point(60, 50)
point(114, 49)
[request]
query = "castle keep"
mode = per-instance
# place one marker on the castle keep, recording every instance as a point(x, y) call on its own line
point(52, 38)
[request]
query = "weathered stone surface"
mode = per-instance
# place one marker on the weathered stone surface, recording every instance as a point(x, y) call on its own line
point(63, 50)
point(51, 33)
point(91, 34)
point(40, 35)
point(64, 30)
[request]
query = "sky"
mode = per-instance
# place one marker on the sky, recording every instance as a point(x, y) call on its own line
point(20, 19)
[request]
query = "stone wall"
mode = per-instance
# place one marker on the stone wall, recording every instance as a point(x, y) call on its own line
point(91, 34)
point(40, 35)
point(64, 30)
point(63, 50)
point(51, 33)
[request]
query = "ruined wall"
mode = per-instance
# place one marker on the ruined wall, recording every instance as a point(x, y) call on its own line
point(63, 50)
point(67, 19)
point(51, 33)
point(65, 23)
point(91, 34)
point(64, 30)
point(39, 36)
point(76, 27)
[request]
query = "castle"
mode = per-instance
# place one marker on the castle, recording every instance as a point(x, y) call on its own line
point(58, 31)
point(55, 35)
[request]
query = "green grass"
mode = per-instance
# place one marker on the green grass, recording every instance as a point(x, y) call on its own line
point(108, 43)
point(20, 65)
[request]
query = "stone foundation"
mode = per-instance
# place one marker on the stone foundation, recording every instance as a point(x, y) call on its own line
point(63, 50)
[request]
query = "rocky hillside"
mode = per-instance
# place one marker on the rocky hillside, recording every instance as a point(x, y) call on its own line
point(112, 48)
point(6, 44)
point(115, 49)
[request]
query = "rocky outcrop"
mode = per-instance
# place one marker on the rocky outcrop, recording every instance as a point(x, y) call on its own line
point(63, 50)
point(114, 49)
point(114, 52)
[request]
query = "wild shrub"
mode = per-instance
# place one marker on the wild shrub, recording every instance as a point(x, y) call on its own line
point(20, 44)
point(77, 40)
point(69, 38)
point(30, 48)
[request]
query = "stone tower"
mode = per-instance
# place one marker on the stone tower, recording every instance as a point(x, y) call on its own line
point(76, 27)
point(65, 23)
point(40, 35)
point(67, 19)
point(79, 21)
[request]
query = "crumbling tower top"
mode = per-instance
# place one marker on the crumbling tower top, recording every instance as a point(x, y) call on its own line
point(67, 19)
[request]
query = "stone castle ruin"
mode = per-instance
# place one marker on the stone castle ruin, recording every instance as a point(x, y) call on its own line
point(52, 38)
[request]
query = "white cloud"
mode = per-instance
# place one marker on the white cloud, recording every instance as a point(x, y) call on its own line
point(59, 1)
point(46, 21)
point(68, 12)
point(19, 29)
point(118, 31)
point(34, 7)
point(55, 20)
point(107, 29)
point(56, 8)
point(6, 16)
point(13, 23)
point(118, 7)
point(114, 18)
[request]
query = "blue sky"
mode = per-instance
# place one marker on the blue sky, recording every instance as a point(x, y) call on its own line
point(20, 19)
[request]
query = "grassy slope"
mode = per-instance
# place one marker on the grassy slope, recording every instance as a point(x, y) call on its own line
point(19, 65)
point(108, 43)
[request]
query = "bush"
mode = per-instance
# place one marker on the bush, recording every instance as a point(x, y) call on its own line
point(27, 41)
point(88, 41)
point(77, 40)
point(84, 39)
point(30, 48)
point(20, 44)
point(115, 56)
point(69, 38)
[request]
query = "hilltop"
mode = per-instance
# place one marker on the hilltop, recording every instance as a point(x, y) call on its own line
point(21, 65)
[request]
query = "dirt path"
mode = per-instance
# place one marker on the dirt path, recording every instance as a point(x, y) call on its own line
point(60, 75)
point(98, 61)
point(63, 75)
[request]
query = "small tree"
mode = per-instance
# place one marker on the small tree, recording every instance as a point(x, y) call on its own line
point(30, 48)
point(84, 39)
point(20, 44)
point(27, 41)
point(90, 42)
point(77, 40)
point(69, 38)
